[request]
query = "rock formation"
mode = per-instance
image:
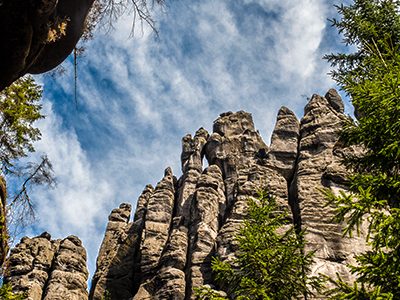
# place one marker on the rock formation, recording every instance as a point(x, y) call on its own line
point(178, 226)
point(45, 269)
point(318, 166)
point(24, 30)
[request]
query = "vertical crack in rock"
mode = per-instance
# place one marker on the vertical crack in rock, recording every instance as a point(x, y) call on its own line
point(139, 220)
point(192, 150)
point(157, 224)
point(282, 153)
point(233, 147)
point(319, 130)
point(203, 232)
point(292, 196)
point(249, 165)
point(171, 278)
point(115, 261)
point(156, 230)
point(29, 265)
point(169, 282)
point(141, 207)
point(192, 166)
point(282, 158)
point(119, 256)
point(68, 277)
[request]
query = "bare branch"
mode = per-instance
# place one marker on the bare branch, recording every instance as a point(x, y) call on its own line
point(106, 13)
point(21, 211)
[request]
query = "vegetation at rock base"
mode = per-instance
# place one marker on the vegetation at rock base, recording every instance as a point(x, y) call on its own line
point(371, 76)
point(7, 294)
point(270, 262)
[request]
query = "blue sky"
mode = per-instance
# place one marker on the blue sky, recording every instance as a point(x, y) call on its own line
point(137, 97)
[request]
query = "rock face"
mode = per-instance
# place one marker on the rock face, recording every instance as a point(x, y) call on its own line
point(115, 262)
point(189, 220)
point(318, 167)
point(24, 30)
point(178, 226)
point(46, 269)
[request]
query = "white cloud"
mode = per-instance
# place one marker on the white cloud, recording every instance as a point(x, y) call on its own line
point(80, 196)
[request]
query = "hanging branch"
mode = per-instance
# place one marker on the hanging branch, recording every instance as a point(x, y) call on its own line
point(33, 174)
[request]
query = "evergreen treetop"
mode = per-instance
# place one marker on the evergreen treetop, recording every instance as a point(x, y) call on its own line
point(371, 77)
point(270, 262)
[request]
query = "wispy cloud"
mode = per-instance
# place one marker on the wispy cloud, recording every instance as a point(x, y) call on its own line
point(138, 97)
point(74, 205)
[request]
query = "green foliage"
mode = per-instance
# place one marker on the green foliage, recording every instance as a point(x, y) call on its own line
point(369, 25)
point(371, 77)
point(19, 109)
point(207, 293)
point(6, 293)
point(270, 262)
point(106, 296)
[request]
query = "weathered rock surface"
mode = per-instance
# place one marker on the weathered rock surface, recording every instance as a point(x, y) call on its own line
point(115, 262)
point(207, 208)
point(318, 167)
point(68, 277)
point(166, 251)
point(48, 269)
point(25, 27)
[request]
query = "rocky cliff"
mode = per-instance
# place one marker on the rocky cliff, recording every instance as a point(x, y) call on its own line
point(181, 223)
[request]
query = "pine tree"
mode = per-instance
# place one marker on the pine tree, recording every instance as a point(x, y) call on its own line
point(270, 262)
point(371, 77)
point(20, 108)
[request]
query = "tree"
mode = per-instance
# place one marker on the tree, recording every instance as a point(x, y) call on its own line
point(371, 76)
point(19, 109)
point(270, 262)
point(106, 12)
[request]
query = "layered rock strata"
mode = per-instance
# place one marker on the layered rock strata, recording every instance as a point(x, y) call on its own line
point(115, 261)
point(166, 251)
point(318, 166)
point(45, 269)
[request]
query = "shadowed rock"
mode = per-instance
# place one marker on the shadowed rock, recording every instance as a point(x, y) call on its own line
point(115, 261)
point(206, 210)
point(24, 28)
